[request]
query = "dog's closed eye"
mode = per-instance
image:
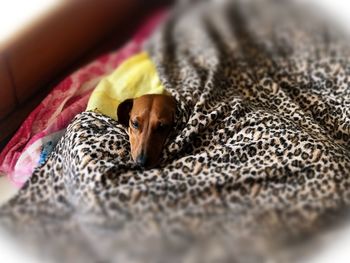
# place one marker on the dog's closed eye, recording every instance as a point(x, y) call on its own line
point(162, 127)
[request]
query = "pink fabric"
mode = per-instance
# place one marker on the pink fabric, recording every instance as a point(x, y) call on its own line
point(66, 100)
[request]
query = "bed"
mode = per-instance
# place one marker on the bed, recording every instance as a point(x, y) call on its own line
point(259, 158)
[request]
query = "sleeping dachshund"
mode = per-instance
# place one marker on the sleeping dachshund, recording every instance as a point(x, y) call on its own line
point(149, 119)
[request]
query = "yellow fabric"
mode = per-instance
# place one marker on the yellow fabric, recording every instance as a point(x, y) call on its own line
point(135, 77)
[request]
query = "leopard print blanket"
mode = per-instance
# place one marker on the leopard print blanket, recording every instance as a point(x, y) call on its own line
point(259, 158)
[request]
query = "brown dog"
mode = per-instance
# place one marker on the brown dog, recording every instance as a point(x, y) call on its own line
point(149, 119)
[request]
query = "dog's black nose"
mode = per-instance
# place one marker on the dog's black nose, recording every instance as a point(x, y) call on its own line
point(142, 160)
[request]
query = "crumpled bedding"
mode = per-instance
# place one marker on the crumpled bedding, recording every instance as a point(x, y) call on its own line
point(259, 158)
point(42, 129)
point(135, 77)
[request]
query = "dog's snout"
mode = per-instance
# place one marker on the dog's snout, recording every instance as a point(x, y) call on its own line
point(142, 160)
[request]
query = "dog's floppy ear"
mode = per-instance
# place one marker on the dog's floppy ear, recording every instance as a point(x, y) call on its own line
point(123, 111)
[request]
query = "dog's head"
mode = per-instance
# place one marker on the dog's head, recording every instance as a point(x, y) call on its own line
point(149, 119)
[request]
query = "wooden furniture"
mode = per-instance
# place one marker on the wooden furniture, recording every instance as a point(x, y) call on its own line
point(53, 46)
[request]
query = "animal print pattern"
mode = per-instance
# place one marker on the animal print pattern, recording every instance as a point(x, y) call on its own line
point(259, 158)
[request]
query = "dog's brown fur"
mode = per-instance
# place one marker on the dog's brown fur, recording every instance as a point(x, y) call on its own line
point(150, 119)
